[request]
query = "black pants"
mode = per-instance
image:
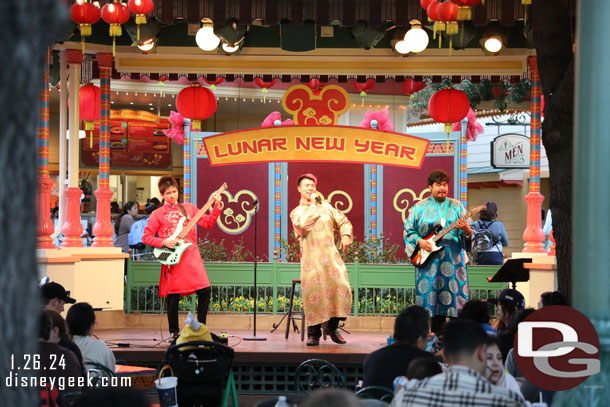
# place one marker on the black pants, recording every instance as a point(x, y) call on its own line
point(315, 331)
point(203, 301)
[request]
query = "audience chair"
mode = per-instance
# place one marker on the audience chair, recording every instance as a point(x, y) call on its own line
point(376, 392)
point(317, 373)
point(97, 372)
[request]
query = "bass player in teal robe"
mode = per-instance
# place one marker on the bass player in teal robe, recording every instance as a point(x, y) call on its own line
point(441, 283)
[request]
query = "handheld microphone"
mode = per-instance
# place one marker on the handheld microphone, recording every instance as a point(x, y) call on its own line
point(318, 200)
point(255, 202)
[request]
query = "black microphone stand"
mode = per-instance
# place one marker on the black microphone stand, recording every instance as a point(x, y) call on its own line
point(254, 337)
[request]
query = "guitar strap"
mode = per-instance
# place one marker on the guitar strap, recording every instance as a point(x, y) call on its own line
point(183, 210)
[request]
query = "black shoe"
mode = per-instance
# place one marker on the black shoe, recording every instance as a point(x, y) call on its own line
point(174, 336)
point(335, 336)
point(313, 341)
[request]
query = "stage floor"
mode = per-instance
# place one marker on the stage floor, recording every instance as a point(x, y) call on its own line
point(148, 346)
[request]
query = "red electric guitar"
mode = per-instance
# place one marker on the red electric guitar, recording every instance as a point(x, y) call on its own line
point(420, 255)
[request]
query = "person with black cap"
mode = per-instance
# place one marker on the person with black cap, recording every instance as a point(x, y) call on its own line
point(54, 296)
point(507, 304)
point(489, 237)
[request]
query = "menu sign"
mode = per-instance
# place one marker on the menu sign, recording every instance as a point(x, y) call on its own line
point(140, 145)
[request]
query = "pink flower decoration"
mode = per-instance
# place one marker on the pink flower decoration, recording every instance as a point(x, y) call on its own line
point(379, 120)
point(473, 129)
point(176, 132)
point(275, 119)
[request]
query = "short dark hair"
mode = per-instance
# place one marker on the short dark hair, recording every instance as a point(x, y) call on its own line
point(420, 368)
point(44, 327)
point(463, 337)
point(553, 298)
point(80, 318)
point(307, 176)
point(412, 323)
point(59, 322)
point(475, 310)
point(165, 182)
point(490, 212)
point(438, 176)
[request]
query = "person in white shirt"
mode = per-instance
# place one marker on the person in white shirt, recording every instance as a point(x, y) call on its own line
point(495, 373)
point(80, 320)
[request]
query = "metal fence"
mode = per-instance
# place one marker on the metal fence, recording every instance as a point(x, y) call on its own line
point(378, 289)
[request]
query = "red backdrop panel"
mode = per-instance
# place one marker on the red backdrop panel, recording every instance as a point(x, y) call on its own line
point(402, 188)
point(333, 177)
point(236, 216)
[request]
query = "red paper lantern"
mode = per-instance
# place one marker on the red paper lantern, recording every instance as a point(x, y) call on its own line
point(89, 108)
point(425, 3)
point(84, 15)
point(448, 106)
point(265, 85)
point(196, 103)
point(410, 86)
point(464, 10)
point(448, 12)
point(432, 11)
point(115, 14)
point(89, 104)
point(140, 8)
point(363, 87)
point(434, 14)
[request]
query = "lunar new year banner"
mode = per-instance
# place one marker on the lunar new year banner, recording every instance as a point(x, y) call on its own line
point(316, 143)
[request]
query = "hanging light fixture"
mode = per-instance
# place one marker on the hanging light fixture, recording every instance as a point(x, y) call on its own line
point(416, 38)
point(205, 37)
point(229, 48)
point(493, 40)
point(402, 47)
point(146, 46)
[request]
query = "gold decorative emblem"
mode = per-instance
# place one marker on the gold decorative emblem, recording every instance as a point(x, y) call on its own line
point(406, 198)
point(237, 211)
point(340, 200)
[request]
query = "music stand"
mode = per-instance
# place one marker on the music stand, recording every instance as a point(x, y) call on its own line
point(511, 272)
point(254, 337)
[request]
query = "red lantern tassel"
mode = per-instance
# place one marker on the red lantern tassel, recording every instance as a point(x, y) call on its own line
point(448, 130)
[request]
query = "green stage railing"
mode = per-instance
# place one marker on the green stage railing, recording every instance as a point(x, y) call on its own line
point(378, 288)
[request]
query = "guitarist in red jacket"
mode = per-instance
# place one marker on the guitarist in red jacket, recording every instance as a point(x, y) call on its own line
point(188, 276)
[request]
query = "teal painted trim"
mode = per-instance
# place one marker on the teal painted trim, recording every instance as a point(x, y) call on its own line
point(457, 154)
point(379, 200)
point(284, 218)
point(271, 209)
point(367, 201)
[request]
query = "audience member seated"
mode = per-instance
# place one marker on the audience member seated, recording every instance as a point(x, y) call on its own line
point(529, 390)
point(411, 332)
point(552, 298)
point(54, 296)
point(463, 384)
point(59, 335)
point(331, 397)
point(477, 311)
point(81, 320)
point(420, 368)
point(57, 364)
point(495, 368)
point(508, 302)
